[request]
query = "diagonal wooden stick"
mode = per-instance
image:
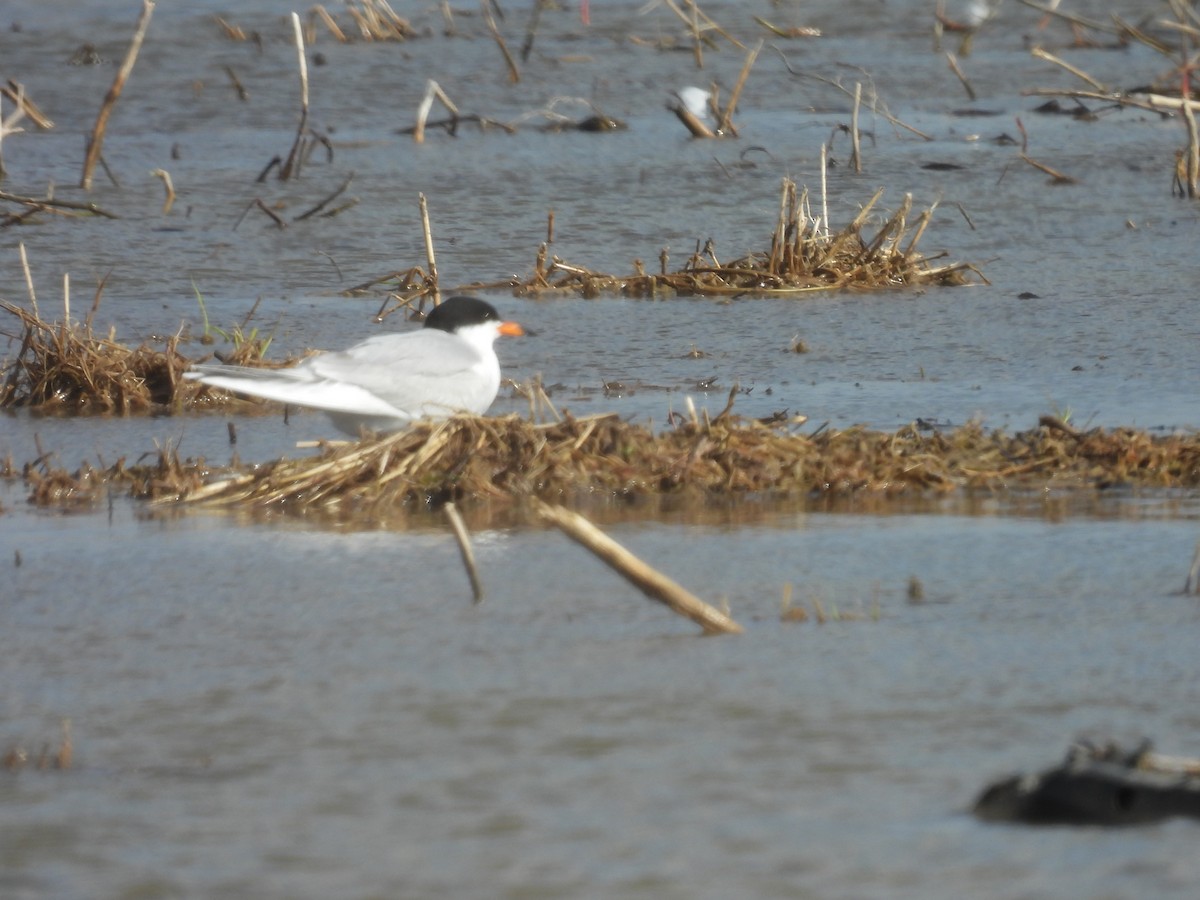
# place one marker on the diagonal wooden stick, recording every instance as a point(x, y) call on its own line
point(648, 580)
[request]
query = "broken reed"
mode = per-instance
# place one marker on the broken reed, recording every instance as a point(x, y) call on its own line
point(501, 461)
point(802, 256)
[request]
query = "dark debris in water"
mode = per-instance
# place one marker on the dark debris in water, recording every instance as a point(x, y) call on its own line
point(1098, 785)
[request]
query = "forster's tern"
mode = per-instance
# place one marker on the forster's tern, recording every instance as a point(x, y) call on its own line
point(386, 381)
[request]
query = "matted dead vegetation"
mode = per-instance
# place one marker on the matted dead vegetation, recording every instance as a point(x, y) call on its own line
point(68, 368)
point(504, 461)
point(803, 256)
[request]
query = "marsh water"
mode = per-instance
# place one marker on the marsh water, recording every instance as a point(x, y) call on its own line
point(282, 708)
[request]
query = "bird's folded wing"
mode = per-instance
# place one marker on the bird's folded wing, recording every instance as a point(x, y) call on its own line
point(435, 375)
point(295, 386)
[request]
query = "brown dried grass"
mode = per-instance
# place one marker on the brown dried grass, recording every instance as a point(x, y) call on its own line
point(501, 461)
point(802, 256)
point(62, 368)
point(69, 368)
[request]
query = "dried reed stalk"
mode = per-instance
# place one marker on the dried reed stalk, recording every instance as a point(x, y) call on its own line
point(645, 578)
point(856, 149)
point(514, 74)
point(463, 538)
point(725, 123)
point(960, 75)
point(15, 92)
point(427, 233)
point(96, 140)
point(291, 166)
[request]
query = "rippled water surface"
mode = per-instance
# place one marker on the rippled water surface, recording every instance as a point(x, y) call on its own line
point(274, 708)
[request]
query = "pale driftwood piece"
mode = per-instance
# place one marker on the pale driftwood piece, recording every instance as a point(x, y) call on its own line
point(429, 258)
point(96, 141)
point(463, 538)
point(648, 580)
point(293, 158)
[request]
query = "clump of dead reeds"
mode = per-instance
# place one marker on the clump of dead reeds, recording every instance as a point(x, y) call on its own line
point(511, 458)
point(159, 475)
point(67, 367)
point(501, 462)
point(18, 756)
point(803, 255)
point(369, 20)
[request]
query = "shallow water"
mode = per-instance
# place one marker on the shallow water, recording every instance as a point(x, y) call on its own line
point(278, 709)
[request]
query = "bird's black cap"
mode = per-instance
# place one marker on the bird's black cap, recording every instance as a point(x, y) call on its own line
point(456, 312)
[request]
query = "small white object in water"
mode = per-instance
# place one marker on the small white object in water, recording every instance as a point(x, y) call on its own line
point(695, 100)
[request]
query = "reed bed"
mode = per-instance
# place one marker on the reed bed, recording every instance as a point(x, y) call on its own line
point(802, 256)
point(505, 461)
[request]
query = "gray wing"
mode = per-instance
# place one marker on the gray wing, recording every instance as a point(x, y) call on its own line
point(427, 372)
point(297, 386)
